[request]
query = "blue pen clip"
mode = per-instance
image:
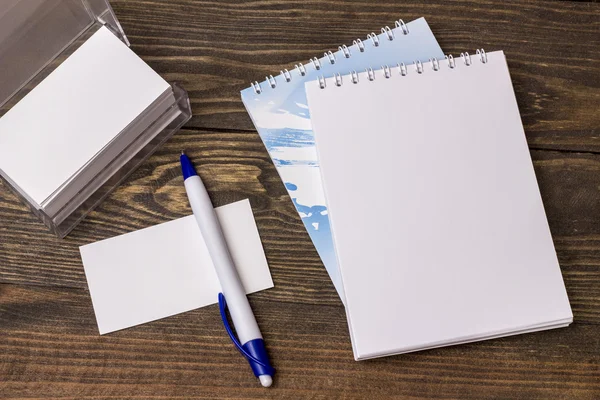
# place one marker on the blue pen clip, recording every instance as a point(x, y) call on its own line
point(254, 350)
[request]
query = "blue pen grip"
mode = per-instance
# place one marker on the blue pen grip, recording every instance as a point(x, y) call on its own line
point(254, 350)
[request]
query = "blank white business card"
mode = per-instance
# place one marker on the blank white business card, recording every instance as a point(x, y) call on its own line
point(165, 270)
point(74, 113)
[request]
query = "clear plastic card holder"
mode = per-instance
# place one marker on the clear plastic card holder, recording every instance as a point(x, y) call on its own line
point(35, 37)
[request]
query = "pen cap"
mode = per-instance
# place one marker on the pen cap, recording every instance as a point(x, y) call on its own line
point(257, 349)
point(253, 350)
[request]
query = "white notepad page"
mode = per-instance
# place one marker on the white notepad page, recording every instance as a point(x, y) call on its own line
point(165, 270)
point(73, 113)
point(439, 226)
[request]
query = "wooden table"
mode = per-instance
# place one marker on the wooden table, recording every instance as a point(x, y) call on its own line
point(49, 343)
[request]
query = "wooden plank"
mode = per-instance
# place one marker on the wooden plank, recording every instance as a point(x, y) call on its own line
point(49, 344)
point(235, 166)
point(216, 48)
point(155, 194)
point(49, 341)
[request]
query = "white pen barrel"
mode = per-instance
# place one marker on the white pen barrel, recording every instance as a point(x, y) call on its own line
point(235, 294)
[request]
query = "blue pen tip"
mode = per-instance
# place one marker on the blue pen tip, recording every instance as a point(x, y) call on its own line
point(186, 166)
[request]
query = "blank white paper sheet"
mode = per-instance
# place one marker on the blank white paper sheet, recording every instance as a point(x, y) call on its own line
point(74, 113)
point(165, 270)
point(439, 226)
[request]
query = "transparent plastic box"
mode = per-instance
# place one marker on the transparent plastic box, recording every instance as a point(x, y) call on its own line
point(35, 37)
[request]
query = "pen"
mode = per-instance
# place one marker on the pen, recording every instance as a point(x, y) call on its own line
point(250, 343)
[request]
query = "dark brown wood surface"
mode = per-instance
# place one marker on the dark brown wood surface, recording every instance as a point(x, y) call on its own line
point(49, 344)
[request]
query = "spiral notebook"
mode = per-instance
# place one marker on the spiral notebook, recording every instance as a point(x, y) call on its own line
point(280, 113)
point(439, 227)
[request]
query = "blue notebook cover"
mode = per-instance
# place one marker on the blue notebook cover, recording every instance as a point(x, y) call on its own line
point(279, 110)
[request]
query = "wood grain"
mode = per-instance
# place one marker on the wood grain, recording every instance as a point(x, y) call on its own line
point(216, 48)
point(49, 346)
point(235, 166)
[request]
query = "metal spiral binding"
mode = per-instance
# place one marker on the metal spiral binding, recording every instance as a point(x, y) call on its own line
point(256, 87)
point(482, 55)
point(330, 57)
point(300, 68)
point(316, 63)
point(466, 58)
point(370, 74)
point(388, 32)
point(374, 38)
point(403, 70)
point(286, 74)
point(338, 79)
point(419, 67)
point(322, 82)
point(345, 51)
point(272, 82)
point(401, 24)
point(386, 71)
point(358, 43)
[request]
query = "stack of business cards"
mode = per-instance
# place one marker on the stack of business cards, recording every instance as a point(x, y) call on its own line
point(91, 109)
